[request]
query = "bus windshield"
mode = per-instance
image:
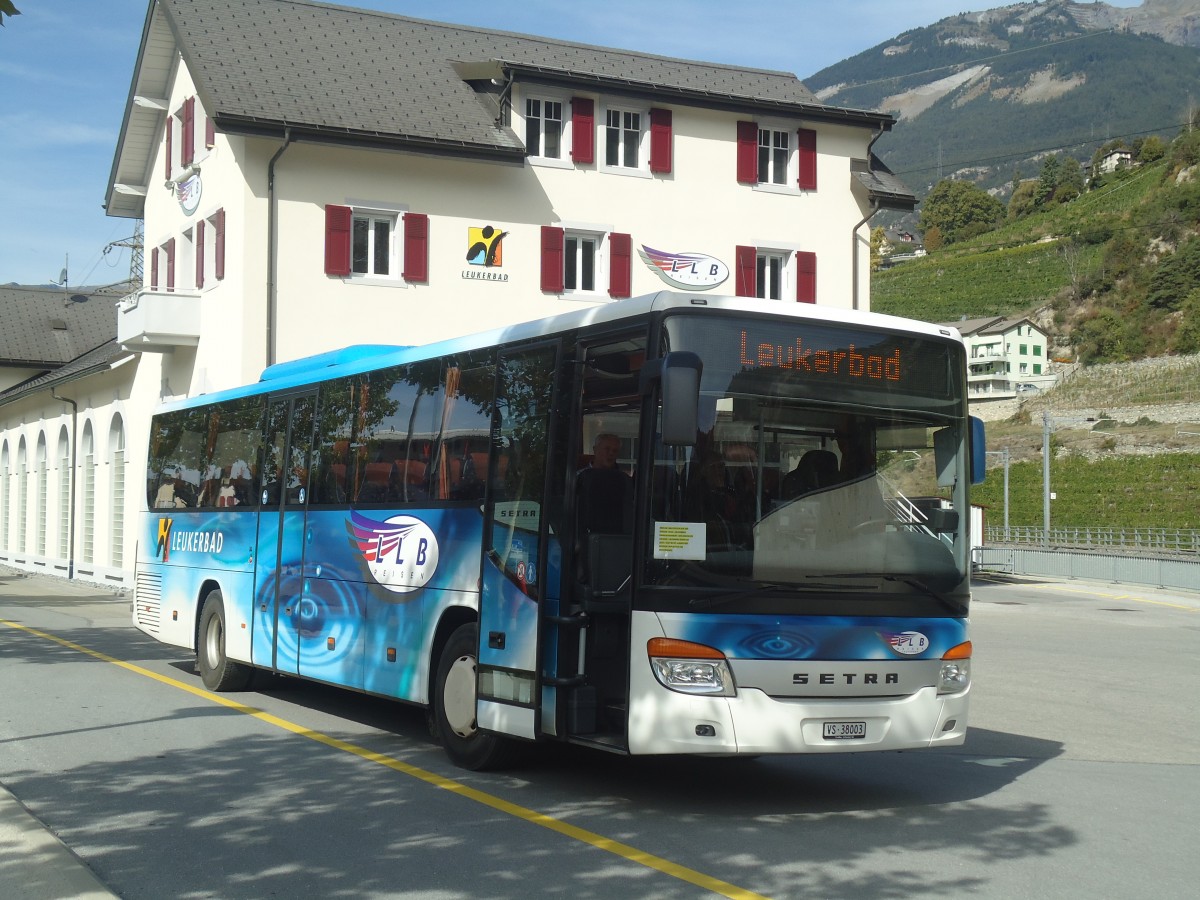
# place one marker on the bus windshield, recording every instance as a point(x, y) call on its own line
point(829, 458)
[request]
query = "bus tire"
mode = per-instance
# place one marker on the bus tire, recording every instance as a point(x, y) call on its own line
point(217, 671)
point(453, 713)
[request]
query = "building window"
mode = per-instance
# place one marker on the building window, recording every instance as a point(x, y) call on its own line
point(88, 541)
point(371, 251)
point(775, 274)
point(116, 441)
point(585, 261)
point(4, 497)
point(64, 494)
point(1037, 368)
point(774, 150)
point(1037, 349)
point(770, 273)
point(363, 243)
point(43, 494)
point(775, 155)
point(623, 139)
point(544, 128)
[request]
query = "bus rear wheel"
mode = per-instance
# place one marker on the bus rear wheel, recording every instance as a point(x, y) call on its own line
point(454, 707)
point(217, 671)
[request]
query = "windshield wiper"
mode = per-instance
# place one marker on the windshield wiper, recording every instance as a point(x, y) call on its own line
point(959, 609)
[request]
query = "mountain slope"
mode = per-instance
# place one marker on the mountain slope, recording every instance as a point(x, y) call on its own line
point(983, 95)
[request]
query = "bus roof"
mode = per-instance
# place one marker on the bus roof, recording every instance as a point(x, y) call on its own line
point(359, 358)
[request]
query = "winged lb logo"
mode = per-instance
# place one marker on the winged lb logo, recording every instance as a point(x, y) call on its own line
point(401, 552)
point(908, 643)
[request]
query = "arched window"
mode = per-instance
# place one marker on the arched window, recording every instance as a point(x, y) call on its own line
point(88, 481)
point(43, 494)
point(22, 496)
point(4, 496)
point(64, 493)
point(116, 457)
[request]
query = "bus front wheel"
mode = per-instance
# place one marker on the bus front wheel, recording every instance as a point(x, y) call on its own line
point(454, 706)
point(217, 671)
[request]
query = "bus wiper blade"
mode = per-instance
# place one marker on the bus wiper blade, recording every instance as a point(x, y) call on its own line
point(959, 609)
point(722, 599)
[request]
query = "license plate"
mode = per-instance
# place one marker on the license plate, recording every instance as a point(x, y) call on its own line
point(844, 731)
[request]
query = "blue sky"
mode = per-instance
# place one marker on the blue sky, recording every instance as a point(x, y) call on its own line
point(66, 67)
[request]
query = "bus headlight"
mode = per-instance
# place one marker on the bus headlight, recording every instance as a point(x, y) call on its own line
point(690, 668)
point(955, 674)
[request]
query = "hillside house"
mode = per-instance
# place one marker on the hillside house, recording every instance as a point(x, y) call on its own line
point(312, 176)
point(1005, 356)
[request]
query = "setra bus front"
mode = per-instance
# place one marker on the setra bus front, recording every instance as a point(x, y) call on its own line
point(803, 580)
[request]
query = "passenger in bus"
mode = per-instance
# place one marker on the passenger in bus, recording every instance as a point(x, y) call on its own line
point(816, 470)
point(604, 492)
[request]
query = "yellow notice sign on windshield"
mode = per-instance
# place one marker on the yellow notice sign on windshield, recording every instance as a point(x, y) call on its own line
point(679, 540)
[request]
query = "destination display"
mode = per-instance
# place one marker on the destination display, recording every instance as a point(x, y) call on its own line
point(745, 352)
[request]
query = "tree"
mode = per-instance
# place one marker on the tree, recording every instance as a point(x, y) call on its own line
point(959, 209)
point(877, 239)
point(7, 9)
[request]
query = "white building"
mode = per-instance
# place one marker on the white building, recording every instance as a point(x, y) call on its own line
point(1005, 356)
point(312, 176)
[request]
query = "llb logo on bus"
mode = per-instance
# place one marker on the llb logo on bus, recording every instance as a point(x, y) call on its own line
point(401, 552)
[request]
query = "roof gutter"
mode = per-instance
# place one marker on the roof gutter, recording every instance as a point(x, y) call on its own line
point(854, 240)
point(272, 251)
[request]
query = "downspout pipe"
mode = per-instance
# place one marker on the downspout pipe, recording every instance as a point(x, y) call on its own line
point(272, 252)
point(854, 279)
point(70, 485)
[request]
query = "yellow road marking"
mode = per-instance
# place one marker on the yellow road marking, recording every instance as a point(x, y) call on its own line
point(625, 851)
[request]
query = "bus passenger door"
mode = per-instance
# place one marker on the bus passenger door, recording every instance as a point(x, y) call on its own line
point(279, 575)
point(520, 557)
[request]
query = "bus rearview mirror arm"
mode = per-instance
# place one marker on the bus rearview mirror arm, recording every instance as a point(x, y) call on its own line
point(679, 374)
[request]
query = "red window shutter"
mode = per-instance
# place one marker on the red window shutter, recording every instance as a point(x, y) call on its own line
point(154, 269)
point(746, 266)
point(416, 247)
point(583, 130)
point(620, 267)
point(210, 132)
point(171, 264)
point(219, 245)
point(552, 259)
point(187, 151)
point(660, 140)
point(338, 221)
point(806, 277)
point(806, 143)
point(170, 131)
point(200, 254)
point(747, 153)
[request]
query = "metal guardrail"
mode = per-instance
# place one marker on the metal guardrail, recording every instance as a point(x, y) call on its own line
point(1169, 571)
point(1132, 540)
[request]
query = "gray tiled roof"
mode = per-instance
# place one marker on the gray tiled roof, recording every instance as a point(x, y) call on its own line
point(95, 360)
point(44, 327)
point(263, 64)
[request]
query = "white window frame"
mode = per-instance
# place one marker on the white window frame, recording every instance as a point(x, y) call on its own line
point(791, 174)
point(394, 214)
point(642, 169)
point(598, 234)
point(784, 252)
point(563, 160)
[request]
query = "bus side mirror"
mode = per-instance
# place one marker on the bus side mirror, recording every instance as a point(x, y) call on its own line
point(978, 444)
point(680, 378)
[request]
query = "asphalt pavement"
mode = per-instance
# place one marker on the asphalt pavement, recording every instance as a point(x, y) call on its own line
point(34, 863)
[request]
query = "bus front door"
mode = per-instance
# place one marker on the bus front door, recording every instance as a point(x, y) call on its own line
point(279, 574)
point(519, 569)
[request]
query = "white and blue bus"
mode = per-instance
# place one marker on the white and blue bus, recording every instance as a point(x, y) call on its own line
point(677, 524)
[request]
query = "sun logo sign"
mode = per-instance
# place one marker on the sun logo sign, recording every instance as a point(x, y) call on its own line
point(401, 552)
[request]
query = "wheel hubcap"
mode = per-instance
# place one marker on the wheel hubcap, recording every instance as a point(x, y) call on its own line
point(458, 698)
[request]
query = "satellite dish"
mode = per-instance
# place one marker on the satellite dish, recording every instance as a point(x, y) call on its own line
point(80, 298)
point(62, 277)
